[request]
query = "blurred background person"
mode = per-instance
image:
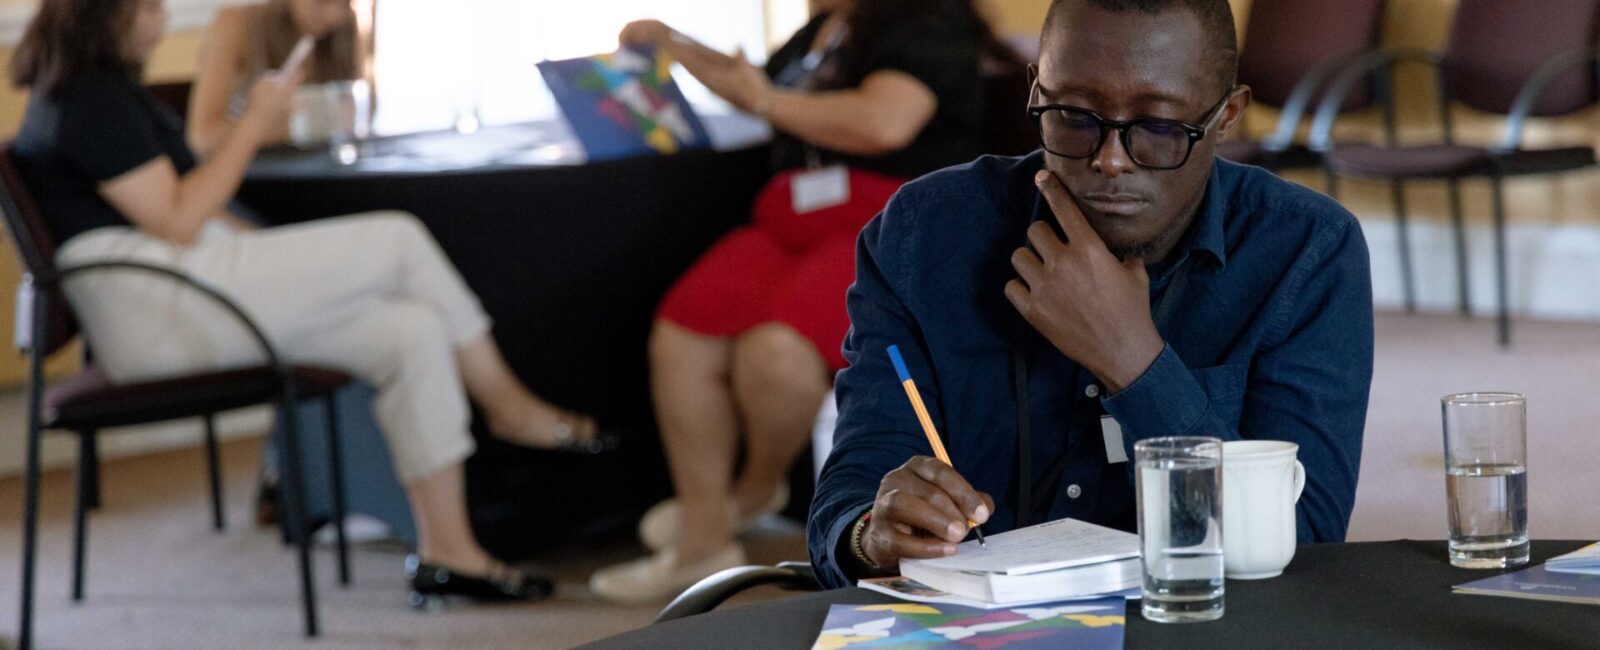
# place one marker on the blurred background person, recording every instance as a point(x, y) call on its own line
point(248, 41)
point(370, 294)
point(868, 94)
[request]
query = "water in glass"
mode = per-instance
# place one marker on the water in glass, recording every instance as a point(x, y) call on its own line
point(1181, 528)
point(1488, 515)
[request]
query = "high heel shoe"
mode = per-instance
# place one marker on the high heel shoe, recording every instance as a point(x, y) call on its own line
point(432, 585)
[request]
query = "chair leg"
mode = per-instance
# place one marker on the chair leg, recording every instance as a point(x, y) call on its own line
point(30, 511)
point(1408, 287)
point(93, 450)
point(80, 508)
point(214, 472)
point(1333, 183)
point(1458, 223)
point(293, 487)
point(1502, 290)
point(336, 474)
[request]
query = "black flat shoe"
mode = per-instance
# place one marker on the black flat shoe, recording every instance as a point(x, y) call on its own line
point(605, 439)
point(432, 585)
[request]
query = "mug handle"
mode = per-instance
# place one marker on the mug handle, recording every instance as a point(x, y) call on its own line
point(1299, 480)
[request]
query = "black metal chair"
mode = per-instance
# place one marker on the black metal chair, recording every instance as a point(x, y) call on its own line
point(1291, 49)
point(1505, 57)
point(89, 402)
point(707, 594)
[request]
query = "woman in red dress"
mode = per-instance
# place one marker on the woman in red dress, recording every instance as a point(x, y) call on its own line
point(869, 94)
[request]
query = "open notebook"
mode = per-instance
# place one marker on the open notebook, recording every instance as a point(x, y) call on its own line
point(1061, 559)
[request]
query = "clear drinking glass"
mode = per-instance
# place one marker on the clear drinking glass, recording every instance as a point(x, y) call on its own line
point(1179, 483)
point(352, 119)
point(1486, 479)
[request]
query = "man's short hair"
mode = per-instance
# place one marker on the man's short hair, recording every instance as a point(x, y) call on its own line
point(1216, 19)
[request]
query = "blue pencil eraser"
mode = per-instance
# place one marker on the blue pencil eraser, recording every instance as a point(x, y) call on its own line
point(899, 363)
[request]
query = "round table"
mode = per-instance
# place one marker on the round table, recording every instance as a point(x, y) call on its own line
point(570, 259)
point(1363, 595)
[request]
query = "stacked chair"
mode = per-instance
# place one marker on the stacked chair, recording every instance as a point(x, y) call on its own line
point(1511, 58)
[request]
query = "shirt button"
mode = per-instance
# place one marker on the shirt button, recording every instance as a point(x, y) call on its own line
point(1091, 391)
point(1073, 491)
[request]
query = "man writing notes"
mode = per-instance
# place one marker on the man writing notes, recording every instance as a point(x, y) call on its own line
point(1119, 285)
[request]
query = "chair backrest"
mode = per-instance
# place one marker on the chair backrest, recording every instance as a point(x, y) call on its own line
point(1286, 39)
point(35, 247)
point(1496, 45)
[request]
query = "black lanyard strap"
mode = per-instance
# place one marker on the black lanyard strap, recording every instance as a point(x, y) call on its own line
point(1019, 371)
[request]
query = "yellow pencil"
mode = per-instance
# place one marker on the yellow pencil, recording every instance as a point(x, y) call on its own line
point(927, 423)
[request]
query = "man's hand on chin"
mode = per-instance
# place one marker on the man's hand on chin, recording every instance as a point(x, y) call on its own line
point(1094, 308)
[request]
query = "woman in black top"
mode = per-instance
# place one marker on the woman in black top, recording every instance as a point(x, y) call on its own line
point(372, 294)
point(868, 94)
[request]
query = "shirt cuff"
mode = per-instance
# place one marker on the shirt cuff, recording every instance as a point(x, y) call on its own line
point(1164, 401)
point(838, 536)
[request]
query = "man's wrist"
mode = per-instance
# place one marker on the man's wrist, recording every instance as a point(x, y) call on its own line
point(1131, 362)
point(851, 553)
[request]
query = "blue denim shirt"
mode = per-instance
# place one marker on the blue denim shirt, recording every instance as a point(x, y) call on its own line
point(1266, 309)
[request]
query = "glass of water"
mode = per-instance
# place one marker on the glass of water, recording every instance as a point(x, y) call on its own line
point(1179, 483)
point(350, 102)
point(1486, 479)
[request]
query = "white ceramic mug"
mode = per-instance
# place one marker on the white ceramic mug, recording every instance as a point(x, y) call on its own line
point(1261, 481)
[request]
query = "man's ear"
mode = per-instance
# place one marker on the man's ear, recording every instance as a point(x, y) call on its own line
point(1033, 83)
point(1233, 113)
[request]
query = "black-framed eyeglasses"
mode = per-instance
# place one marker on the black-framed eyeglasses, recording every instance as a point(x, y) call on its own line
point(1152, 143)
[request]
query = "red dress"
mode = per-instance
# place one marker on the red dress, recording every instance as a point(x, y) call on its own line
point(782, 268)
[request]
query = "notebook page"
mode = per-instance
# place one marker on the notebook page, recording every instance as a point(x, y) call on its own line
point(1046, 547)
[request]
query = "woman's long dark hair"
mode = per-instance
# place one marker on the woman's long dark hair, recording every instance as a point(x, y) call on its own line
point(871, 19)
point(69, 38)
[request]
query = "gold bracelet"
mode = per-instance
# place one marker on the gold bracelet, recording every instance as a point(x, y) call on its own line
point(856, 532)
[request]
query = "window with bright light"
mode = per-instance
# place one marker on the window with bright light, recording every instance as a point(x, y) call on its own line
point(437, 61)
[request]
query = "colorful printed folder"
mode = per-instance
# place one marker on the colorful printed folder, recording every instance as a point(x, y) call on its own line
point(910, 626)
point(624, 104)
point(1537, 583)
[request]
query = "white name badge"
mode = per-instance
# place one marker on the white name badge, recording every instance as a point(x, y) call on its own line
point(1112, 432)
point(820, 188)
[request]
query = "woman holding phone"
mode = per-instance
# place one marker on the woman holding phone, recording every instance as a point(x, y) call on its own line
point(248, 41)
point(371, 294)
point(868, 94)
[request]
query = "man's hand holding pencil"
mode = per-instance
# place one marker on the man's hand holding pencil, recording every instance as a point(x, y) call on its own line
point(924, 507)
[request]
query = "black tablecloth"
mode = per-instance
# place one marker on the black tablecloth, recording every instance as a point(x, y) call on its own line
point(570, 262)
point(1369, 595)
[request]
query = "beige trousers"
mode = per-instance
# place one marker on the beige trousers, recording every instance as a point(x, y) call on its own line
point(370, 294)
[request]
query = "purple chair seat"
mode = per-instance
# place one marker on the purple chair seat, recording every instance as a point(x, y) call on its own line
point(1431, 161)
point(1247, 152)
point(88, 400)
point(1545, 161)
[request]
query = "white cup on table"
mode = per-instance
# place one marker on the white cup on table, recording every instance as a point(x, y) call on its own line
point(1261, 482)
